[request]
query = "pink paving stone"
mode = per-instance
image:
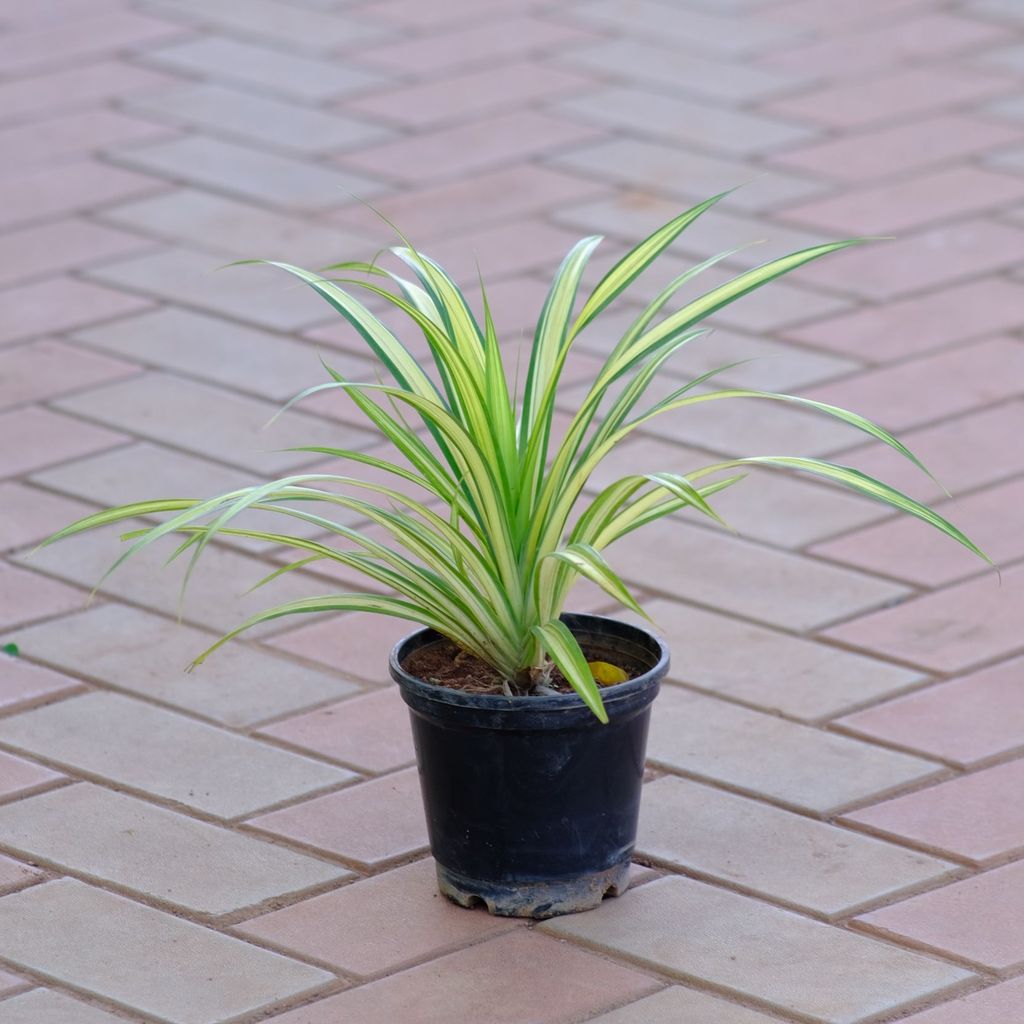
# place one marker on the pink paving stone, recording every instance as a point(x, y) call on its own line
point(354, 645)
point(81, 184)
point(930, 36)
point(371, 732)
point(11, 982)
point(964, 721)
point(30, 309)
point(61, 245)
point(903, 93)
point(36, 48)
point(948, 630)
point(367, 824)
point(492, 197)
point(979, 817)
point(36, 437)
point(469, 93)
point(15, 875)
point(933, 387)
point(471, 45)
point(20, 776)
point(21, 682)
point(55, 91)
point(901, 547)
point(77, 134)
point(25, 596)
point(43, 369)
point(376, 925)
point(552, 983)
point(468, 148)
point(910, 327)
point(913, 263)
point(980, 919)
point(29, 514)
point(999, 1004)
point(898, 149)
point(964, 453)
point(904, 206)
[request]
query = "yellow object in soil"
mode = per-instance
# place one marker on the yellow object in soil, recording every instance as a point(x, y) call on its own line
point(605, 674)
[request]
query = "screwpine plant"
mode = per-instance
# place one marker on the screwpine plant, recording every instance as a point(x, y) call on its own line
point(492, 571)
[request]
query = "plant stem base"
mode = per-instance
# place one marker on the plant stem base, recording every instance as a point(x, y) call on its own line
point(538, 900)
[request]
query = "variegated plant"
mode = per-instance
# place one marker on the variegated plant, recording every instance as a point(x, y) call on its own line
point(493, 571)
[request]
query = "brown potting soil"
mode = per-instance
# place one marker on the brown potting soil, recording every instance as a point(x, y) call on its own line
point(444, 664)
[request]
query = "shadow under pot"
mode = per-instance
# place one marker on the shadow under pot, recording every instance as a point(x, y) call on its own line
point(531, 802)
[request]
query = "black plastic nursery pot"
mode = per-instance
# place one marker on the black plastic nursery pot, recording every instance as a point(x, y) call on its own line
point(531, 802)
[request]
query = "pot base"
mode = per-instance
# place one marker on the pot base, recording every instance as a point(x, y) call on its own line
point(538, 900)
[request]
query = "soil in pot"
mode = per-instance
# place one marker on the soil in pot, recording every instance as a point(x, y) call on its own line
point(444, 664)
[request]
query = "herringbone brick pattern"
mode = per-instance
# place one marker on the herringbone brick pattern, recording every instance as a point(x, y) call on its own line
point(834, 832)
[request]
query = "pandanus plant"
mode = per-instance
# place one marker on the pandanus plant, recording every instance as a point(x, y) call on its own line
point(492, 570)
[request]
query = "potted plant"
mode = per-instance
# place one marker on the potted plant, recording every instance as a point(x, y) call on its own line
point(530, 722)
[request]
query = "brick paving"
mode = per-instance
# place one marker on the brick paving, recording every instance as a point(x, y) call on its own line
point(834, 832)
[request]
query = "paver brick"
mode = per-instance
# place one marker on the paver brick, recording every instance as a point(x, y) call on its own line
point(471, 45)
point(992, 1006)
point(898, 149)
point(476, 984)
point(236, 229)
point(963, 721)
point(696, 932)
point(686, 121)
point(16, 875)
point(979, 817)
point(370, 732)
point(170, 968)
point(979, 919)
point(209, 420)
point(933, 387)
point(948, 630)
point(73, 88)
point(222, 58)
point(18, 776)
point(260, 120)
point(343, 927)
point(261, 295)
point(801, 678)
point(899, 547)
point(259, 175)
point(25, 596)
point(770, 757)
point(46, 368)
point(464, 94)
point(783, 856)
point(37, 193)
point(154, 852)
point(146, 655)
point(913, 203)
point(368, 824)
point(910, 327)
point(28, 514)
point(467, 148)
point(737, 576)
point(22, 682)
point(51, 45)
point(700, 74)
point(673, 1004)
point(35, 437)
point(45, 1006)
point(30, 310)
point(179, 759)
point(237, 356)
point(904, 93)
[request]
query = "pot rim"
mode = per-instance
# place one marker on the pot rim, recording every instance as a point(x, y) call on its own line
point(601, 625)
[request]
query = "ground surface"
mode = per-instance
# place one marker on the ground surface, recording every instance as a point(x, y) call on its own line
point(837, 824)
